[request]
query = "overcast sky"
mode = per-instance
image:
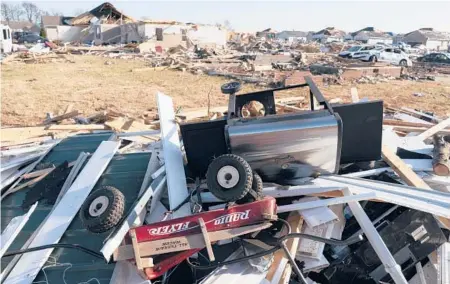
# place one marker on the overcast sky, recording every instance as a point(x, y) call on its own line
point(397, 17)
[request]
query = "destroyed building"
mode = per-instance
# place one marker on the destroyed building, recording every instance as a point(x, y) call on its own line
point(430, 38)
point(370, 35)
point(329, 34)
point(141, 205)
point(292, 36)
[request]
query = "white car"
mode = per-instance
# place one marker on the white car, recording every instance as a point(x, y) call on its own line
point(349, 52)
point(389, 54)
point(368, 53)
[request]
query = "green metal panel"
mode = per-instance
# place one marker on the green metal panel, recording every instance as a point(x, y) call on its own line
point(125, 172)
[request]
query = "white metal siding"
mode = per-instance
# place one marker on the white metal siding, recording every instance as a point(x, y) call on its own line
point(437, 44)
point(208, 35)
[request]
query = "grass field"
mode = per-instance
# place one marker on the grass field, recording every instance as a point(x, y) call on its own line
point(29, 91)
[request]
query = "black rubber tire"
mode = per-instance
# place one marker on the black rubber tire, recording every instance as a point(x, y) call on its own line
point(243, 185)
point(373, 59)
point(110, 217)
point(403, 64)
point(230, 88)
point(256, 193)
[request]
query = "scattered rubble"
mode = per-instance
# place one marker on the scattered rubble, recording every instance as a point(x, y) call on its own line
point(167, 215)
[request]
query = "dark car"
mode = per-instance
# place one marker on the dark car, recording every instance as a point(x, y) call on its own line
point(31, 38)
point(436, 57)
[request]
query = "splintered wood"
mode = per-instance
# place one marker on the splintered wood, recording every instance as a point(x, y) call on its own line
point(280, 270)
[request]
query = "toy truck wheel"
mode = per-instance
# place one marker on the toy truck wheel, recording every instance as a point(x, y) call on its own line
point(103, 209)
point(229, 177)
point(255, 193)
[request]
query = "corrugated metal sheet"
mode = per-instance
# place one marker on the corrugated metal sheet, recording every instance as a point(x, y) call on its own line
point(125, 172)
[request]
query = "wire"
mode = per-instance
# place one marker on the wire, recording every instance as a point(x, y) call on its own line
point(334, 242)
point(71, 246)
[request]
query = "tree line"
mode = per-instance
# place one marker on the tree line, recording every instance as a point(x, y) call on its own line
point(26, 11)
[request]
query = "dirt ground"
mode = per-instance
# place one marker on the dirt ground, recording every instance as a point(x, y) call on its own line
point(29, 91)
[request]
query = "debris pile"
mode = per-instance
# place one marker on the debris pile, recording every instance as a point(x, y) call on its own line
point(368, 202)
point(380, 78)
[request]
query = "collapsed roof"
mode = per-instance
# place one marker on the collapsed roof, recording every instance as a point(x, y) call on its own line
point(431, 34)
point(106, 12)
point(331, 31)
point(371, 32)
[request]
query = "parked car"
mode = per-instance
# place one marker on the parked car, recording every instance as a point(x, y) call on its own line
point(349, 52)
point(394, 56)
point(368, 53)
point(436, 57)
point(31, 38)
point(389, 54)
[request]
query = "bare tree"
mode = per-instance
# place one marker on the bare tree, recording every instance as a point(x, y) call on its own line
point(11, 12)
point(17, 12)
point(56, 13)
point(32, 12)
point(6, 12)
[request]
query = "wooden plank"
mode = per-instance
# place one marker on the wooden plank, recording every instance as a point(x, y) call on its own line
point(418, 129)
point(354, 94)
point(411, 119)
point(10, 179)
point(435, 129)
point(289, 100)
point(420, 114)
point(200, 112)
point(29, 168)
point(284, 271)
point(206, 240)
point(406, 123)
point(62, 117)
point(77, 127)
point(173, 158)
point(287, 107)
point(402, 169)
point(38, 173)
point(13, 229)
point(62, 215)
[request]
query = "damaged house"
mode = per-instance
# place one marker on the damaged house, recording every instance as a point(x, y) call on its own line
point(99, 25)
point(292, 36)
point(103, 24)
point(429, 37)
point(22, 26)
point(107, 25)
point(370, 35)
point(59, 28)
point(329, 34)
point(167, 34)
